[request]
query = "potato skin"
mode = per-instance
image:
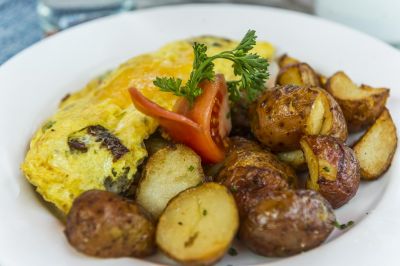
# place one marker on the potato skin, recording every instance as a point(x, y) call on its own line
point(248, 168)
point(340, 187)
point(287, 222)
point(103, 224)
point(279, 116)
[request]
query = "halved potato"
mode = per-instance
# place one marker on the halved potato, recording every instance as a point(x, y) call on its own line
point(281, 116)
point(286, 60)
point(362, 105)
point(294, 158)
point(198, 225)
point(376, 148)
point(300, 74)
point(334, 169)
point(168, 171)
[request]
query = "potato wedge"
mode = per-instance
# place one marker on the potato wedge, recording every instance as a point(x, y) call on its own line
point(198, 226)
point(294, 158)
point(286, 60)
point(168, 171)
point(334, 169)
point(362, 105)
point(300, 74)
point(376, 148)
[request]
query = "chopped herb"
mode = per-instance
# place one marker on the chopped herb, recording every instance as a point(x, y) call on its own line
point(326, 169)
point(234, 189)
point(343, 226)
point(204, 212)
point(114, 173)
point(252, 69)
point(232, 251)
point(180, 223)
point(191, 168)
point(119, 184)
point(191, 240)
point(48, 125)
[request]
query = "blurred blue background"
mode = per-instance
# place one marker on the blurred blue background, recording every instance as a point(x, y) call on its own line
point(19, 26)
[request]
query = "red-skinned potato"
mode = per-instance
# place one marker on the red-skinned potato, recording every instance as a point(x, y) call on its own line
point(285, 223)
point(334, 169)
point(248, 168)
point(281, 116)
point(103, 224)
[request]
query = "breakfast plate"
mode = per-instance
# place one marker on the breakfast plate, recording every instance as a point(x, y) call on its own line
point(33, 82)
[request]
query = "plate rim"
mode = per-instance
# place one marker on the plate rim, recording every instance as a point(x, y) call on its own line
point(144, 11)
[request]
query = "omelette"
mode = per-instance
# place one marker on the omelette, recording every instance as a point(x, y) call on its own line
point(95, 138)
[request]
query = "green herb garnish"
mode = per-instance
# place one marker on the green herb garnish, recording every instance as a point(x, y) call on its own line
point(191, 168)
point(343, 226)
point(232, 251)
point(252, 69)
point(326, 169)
point(48, 125)
point(204, 212)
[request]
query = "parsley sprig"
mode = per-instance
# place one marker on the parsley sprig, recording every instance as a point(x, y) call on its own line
point(252, 69)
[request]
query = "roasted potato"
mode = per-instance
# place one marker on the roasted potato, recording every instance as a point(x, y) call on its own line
point(287, 222)
point(248, 168)
point(362, 105)
point(103, 224)
point(168, 171)
point(294, 158)
point(198, 226)
point(334, 169)
point(281, 116)
point(300, 74)
point(376, 148)
point(286, 60)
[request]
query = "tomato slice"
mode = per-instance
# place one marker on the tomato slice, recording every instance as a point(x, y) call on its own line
point(204, 127)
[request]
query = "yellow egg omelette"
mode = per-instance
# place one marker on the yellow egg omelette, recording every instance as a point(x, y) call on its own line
point(95, 139)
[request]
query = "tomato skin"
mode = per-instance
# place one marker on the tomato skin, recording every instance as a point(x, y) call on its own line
point(201, 127)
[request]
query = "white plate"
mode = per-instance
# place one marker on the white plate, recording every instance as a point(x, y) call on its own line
point(32, 83)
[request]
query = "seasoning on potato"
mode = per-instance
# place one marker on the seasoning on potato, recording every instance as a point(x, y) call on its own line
point(287, 222)
point(334, 169)
point(103, 224)
point(376, 148)
point(361, 105)
point(198, 225)
point(281, 116)
point(248, 168)
point(168, 171)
